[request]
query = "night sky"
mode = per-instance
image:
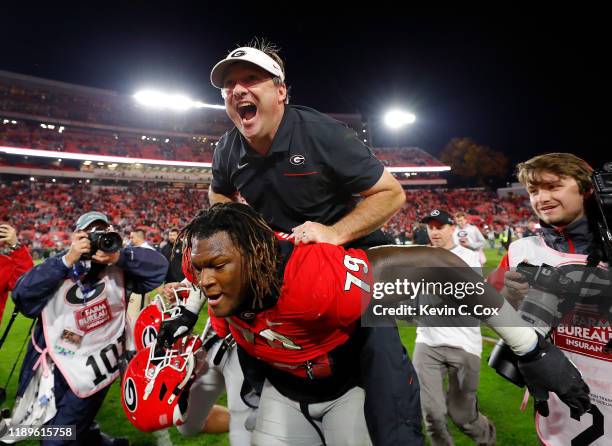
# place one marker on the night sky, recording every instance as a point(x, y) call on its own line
point(522, 82)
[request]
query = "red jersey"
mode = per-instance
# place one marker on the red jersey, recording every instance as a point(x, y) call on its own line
point(12, 267)
point(325, 289)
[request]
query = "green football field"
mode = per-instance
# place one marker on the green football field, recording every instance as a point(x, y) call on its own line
point(498, 399)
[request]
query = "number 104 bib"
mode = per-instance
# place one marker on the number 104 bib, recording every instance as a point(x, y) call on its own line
point(84, 333)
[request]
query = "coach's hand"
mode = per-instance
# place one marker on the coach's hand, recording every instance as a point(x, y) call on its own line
point(176, 327)
point(312, 232)
point(547, 369)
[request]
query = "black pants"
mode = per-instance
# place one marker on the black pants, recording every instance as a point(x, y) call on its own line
point(392, 402)
point(392, 393)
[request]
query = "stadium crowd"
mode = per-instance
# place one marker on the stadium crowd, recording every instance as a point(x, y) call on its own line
point(406, 156)
point(42, 211)
point(32, 135)
point(33, 207)
point(484, 209)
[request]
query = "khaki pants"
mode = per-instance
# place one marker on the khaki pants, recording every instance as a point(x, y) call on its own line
point(459, 402)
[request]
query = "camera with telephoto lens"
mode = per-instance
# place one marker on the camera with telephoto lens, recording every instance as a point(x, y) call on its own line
point(103, 241)
point(551, 295)
point(542, 308)
point(602, 191)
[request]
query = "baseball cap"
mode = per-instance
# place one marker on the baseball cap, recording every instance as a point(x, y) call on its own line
point(88, 218)
point(245, 54)
point(440, 216)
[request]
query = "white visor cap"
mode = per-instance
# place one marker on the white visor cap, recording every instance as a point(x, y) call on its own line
point(245, 54)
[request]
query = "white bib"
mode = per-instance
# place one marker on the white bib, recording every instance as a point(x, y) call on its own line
point(584, 347)
point(84, 336)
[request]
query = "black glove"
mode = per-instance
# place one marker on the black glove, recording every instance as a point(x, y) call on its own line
point(547, 369)
point(174, 328)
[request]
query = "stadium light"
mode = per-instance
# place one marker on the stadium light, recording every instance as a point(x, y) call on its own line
point(175, 102)
point(396, 119)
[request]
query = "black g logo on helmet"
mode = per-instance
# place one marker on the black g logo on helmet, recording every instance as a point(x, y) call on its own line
point(149, 335)
point(129, 395)
point(238, 53)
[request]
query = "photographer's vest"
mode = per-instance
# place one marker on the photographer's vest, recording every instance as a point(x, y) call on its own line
point(84, 336)
point(583, 342)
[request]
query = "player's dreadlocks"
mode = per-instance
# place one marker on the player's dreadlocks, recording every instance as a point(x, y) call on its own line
point(251, 235)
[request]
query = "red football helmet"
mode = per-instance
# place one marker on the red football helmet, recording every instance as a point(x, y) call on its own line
point(150, 318)
point(154, 388)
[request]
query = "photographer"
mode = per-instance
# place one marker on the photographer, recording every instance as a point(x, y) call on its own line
point(454, 351)
point(79, 300)
point(174, 253)
point(15, 260)
point(560, 191)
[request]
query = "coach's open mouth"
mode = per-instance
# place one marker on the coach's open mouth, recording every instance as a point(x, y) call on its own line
point(247, 111)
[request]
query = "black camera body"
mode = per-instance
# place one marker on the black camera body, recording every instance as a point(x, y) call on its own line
point(103, 241)
point(602, 191)
point(544, 277)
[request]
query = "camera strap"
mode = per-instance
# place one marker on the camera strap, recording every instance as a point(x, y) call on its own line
point(76, 275)
point(8, 326)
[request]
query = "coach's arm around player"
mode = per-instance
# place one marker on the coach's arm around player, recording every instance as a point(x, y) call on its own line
point(379, 203)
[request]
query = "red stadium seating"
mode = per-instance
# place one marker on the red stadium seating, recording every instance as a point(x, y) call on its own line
point(43, 211)
point(33, 208)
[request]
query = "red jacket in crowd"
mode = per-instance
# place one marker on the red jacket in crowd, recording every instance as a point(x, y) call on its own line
point(12, 267)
